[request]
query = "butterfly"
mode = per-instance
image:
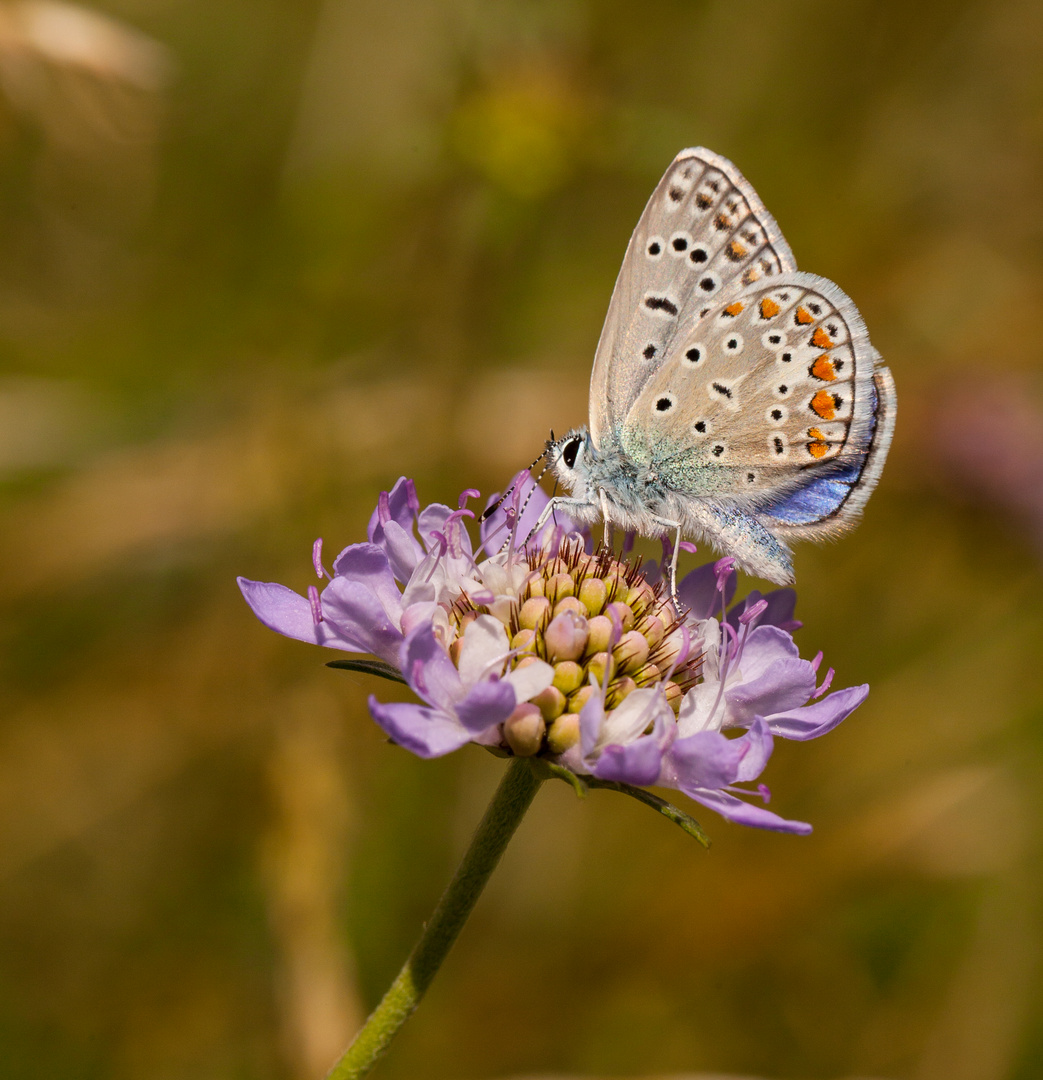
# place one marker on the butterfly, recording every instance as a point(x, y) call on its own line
point(734, 399)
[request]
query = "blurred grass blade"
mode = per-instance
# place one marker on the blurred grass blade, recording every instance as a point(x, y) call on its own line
point(370, 667)
point(668, 810)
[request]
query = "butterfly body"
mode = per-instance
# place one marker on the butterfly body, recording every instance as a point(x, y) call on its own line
point(734, 398)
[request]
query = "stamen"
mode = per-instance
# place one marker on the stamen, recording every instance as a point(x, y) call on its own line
point(826, 683)
point(754, 612)
point(316, 560)
point(443, 546)
point(384, 508)
point(723, 569)
point(468, 493)
point(316, 604)
point(765, 792)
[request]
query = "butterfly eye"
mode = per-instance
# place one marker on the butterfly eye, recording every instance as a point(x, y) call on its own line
point(568, 455)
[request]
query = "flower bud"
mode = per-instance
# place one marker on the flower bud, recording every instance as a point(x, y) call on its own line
point(533, 611)
point(632, 651)
point(560, 586)
point(580, 698)
point(524, 730)
point(599, 631)
point(550, 702)
point(566, 637)
point(524, 641)
point(623, 613)
point(570, 603)
point(620, 689)
point(673, 694)
point(648, 674)
point(616, 586)
point(568, 676)
point(654, 629)
point(563, 733)
point(640, 596)
point(600, 663)
point(454, 650)
point(536, 586)
point(593, 594)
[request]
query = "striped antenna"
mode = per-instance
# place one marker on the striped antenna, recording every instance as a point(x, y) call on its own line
point(493, 507)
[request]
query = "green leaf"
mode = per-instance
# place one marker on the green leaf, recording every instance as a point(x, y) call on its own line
point(370, 667)
point(668, 810)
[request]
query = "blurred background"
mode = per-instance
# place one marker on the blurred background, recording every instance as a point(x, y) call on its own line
point(260, 257)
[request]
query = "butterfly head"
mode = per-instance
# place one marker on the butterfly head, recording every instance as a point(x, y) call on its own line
point(569, 459)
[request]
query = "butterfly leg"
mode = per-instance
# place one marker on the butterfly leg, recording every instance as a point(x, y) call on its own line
point(576, 508)
point(609, 536)
point(676, 527)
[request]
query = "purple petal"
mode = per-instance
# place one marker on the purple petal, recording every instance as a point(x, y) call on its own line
point(759, 746)
point(763, 646)
point(286, 612)
point(637, 763)
point(488, 703)
point(367, 564)
point(784, 685)
point(591, 719)
point(356, 614)
point(698, 591)
point(402, 506)
point(728, 806)
point(707, 759)
point(432, 519)
point(403, 551)
point(814, 720)
point(426, 666)
point(426, 732)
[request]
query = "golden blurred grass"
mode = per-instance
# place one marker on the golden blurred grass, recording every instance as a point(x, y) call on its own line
point(330, 243)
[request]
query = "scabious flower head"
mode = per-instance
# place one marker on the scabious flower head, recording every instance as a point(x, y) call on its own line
point(537, 644)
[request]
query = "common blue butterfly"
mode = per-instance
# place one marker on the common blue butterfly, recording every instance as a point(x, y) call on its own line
point(734, 398)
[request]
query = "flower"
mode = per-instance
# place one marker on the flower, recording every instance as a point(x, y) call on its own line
point(539, 645)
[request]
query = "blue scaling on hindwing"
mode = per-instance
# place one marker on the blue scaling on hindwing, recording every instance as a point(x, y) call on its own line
point(816, 501)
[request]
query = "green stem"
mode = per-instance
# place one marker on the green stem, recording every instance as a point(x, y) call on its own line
point(513, 797)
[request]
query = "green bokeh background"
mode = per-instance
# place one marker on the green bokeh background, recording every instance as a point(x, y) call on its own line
point(255, 267)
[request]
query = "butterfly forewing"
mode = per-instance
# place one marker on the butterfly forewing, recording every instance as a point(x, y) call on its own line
point(703, 236)
point(768, 384)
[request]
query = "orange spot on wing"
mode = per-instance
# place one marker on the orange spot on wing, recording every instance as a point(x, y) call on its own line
point(818, 448)
point(824, 404)
point(823, 369)
point(803, 315)
point(733, 309)
point(736, 249)
point(820, 339)
point(769, 309)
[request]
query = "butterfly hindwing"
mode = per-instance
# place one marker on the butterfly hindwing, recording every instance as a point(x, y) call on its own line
point(703, 235)
point(773, 399)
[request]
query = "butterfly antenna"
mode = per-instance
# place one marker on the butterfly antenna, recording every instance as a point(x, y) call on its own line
point(493, 507)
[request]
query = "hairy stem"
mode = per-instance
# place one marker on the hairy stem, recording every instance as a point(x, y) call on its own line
point(513, 797)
